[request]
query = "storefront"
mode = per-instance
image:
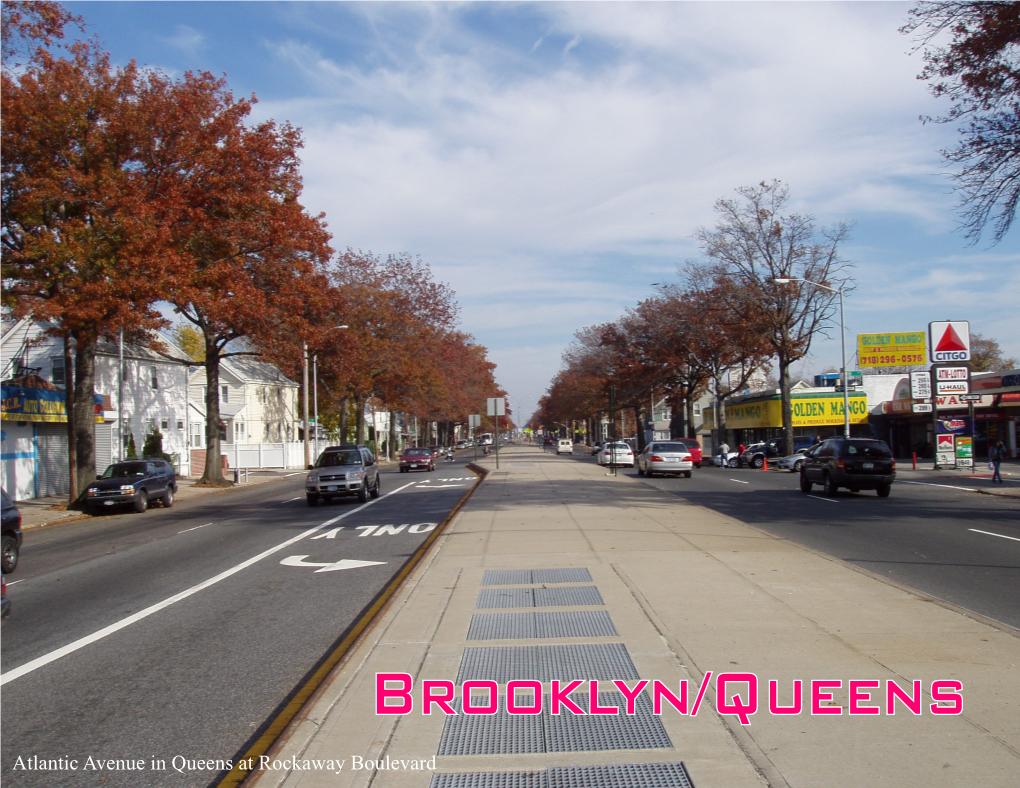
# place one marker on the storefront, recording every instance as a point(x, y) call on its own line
point(815, 413)
point(907, 432)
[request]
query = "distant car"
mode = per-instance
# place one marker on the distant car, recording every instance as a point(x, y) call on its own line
point(756, 454)
point(792, 463)
point(133, 482)
point(596, 448)
point(462, 444)
point(565, 446)
point(618, 453)
point(665, 457)
point(546, 442)
point(730, 459)
point(350, 469)
point(855, 463)
point(417, 459)
point(693, 447)
point(11, 534)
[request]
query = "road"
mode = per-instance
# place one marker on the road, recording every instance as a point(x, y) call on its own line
point(200, 676)
point(948, 543)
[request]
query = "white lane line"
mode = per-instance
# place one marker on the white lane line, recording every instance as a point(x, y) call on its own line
point(819, 498)
point(193, 529)
point(739, 481)
point(15, 582)
point(947, 486)
point(296, 473)
point(70, 648)
point(1003, 536)
point(292, 499)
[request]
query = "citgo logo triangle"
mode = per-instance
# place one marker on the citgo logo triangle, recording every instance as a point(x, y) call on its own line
point(950, 341)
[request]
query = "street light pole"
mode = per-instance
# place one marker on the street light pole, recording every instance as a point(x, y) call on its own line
point(842, 348)
point(304, 386)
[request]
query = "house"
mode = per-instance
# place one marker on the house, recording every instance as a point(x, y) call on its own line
point(155, 397)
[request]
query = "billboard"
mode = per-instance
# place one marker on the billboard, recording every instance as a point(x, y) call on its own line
point(950, 341)
point(891, 350)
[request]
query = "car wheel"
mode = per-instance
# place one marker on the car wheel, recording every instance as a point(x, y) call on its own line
point(141, 502)
point(734, 463)
point(830, 486)
point(363, 494)
point(168, 498)
point(884, 490)
point(10, 554)
point(758, 462)
point(687, 474)
point(797, 466)
point(378, 486)
point(313, 500)
point(805, 484)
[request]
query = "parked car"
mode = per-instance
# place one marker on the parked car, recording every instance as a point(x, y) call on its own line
point(693, 448)
point(340, 471)
point(793, 462)
point(755, 455)
point(618, 453)
point(855, 463)
point(5, 603)
point(415, 459)
point(135, 483)
point(730, 459)
point(564, 446)
point(11, 534)
point(665, 457)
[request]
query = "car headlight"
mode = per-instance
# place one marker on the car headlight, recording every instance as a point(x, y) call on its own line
point(356, 475)
point(93, 491)
point(127, 488)
point(313, 478)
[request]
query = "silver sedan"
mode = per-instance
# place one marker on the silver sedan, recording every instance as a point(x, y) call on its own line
point(793, 462)
point(665, 457)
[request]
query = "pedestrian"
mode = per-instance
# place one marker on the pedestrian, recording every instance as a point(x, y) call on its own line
point(741, 449)
point(997, 454)
point(449, 454)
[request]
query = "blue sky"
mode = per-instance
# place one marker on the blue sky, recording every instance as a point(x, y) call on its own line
point(550, 161)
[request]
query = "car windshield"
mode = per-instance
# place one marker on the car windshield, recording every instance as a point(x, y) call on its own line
point(418, 452)
point(124, 469)
point(669, 447)
point(331, 459)
point(873, 450)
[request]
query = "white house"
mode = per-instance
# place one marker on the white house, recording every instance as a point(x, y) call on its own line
point(34, 455)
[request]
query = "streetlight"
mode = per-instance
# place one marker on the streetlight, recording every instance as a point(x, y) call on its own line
point(842, 347)
point(304, 383)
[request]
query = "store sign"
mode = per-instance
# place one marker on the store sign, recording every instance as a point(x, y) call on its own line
point(945, 449)
point(953, 426)
point(964, 450)
point(824, 410)
point(950, 341)
point(891, 350)
point(952, 380)
point(922, 407)
point(920, 385)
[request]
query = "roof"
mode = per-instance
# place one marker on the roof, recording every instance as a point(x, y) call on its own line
point(251, 370)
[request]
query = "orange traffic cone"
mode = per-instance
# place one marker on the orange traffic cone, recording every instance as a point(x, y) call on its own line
point(765, 463)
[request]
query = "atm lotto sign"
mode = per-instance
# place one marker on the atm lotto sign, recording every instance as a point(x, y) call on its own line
point(949, 341)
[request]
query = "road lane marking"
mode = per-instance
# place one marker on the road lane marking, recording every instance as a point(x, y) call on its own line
point(293, 499)
point(330, 534)
point(947, 486)
point(296, 473)
point(437, 486)
point(344, 563)
point(70, 648)
point(15, 582)
point(193, 529)
point(739, 481)
point(1003, 536)
point(820, 498)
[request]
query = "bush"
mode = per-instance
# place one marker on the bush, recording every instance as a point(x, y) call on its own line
point(154, 445)
point(132, 452)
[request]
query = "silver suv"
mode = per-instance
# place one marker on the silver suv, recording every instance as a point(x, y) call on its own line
point(343, 470)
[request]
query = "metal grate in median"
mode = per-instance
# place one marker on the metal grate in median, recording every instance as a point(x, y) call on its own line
point(511, 577)
point(671, 774)
point(600, 661)
point(538, 597)
point(492, 734)
point(505, 597)
point(491, 780)
point(517, 626)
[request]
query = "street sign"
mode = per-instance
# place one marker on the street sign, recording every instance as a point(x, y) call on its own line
point(496, 406)
point(951, 379)
point(950, 340)
point(969, 397)
point(920, 385)
point(922, 407)
point(945, 449)
point(891, 350)
point(474, 420)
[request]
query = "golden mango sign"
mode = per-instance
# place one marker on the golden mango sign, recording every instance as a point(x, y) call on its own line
point(892, 350)
point(816, 410)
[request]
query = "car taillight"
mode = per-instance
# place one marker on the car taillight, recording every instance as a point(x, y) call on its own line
point(656, 459)
point(841, 465)
point(894, 465)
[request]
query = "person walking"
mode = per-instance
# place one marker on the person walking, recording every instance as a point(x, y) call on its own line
point(997, 454)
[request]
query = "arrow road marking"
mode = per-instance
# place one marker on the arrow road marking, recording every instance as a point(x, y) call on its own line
point(70, 648)
point(437, 486)
point(330, 534)
point(346, 563)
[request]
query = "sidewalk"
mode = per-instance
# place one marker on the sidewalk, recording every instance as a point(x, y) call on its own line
point(688, 591)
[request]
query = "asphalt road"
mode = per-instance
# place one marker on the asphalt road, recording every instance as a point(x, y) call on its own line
point(200, 676)
point(953, 544)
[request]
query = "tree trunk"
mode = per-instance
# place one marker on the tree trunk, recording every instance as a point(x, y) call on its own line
point(692, 431)
point(72, 452)
point(345, 412)
point(359, 403)
point(84, 411)
point(392, 449)
point(639, 428)
point(213, 473)
point(784, 388)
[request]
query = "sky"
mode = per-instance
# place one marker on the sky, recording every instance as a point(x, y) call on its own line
point(551, 161)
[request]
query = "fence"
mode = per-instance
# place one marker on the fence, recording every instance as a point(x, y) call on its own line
point(264, 455)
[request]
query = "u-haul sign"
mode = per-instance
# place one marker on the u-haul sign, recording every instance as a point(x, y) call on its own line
point(949, 341)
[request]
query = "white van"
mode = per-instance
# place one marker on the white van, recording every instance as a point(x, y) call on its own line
point(564, 446)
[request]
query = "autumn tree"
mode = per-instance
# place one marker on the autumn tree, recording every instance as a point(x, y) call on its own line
point(190, 340)
point(29, 26)
point(752, 245)
point(978, 71)
point(986, 355)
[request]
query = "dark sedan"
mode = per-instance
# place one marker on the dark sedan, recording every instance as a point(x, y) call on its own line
point(417, 459)
point(11, 533)
point(854, 463)
point(134, 482)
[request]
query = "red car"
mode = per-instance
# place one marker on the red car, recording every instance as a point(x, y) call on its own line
point(417, 459)
point(694, 448)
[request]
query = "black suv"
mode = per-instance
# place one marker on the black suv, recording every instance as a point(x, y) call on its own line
point(12, 533)
point(343, 470)
point(755, 455)
point(855, 463)
point(134, 482)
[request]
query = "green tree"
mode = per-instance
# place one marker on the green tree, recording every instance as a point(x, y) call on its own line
point(190, 340)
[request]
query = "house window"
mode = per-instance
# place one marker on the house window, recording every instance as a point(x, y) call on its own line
point(697, 409)
point(224, 394)
point(58, 378)
point(164, 425)
point(180, 425)
point(197, 434)
point(155, 376)
point(238, 432)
